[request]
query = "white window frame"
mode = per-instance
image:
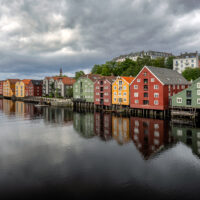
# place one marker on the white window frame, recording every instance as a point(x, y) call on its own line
point(136, 94)
point(179, 100)
point(138, 80)
point(156, 95)
point(124, 87)
point(198, 85)
point(156, 102)
point(152, 80)
point(198, 92)
point(156, 87)
point(198, 100)
point(135, 87)
point(136, 101)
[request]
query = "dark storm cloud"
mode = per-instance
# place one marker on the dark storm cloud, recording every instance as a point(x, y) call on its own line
point(41, 36)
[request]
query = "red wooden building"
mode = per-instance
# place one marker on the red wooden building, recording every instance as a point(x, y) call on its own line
point(34, 88)
point(1, 88)
point(103, 91)
point(149, 135)
point(153, 86)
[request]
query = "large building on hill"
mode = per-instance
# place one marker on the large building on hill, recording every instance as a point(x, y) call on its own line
point(181, 62)
point(83, 88)
point(153, 86)
point(141, 54)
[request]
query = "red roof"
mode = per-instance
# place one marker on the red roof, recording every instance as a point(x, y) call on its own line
point(13, 81)
point(68, 81)
point(128, 79)
point(26, 81)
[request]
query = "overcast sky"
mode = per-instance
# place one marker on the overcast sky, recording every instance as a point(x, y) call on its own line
point(37, 37)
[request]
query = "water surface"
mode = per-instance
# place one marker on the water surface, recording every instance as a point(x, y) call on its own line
point(55, 152)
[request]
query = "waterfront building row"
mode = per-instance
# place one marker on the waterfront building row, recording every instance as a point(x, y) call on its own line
point(151, 89)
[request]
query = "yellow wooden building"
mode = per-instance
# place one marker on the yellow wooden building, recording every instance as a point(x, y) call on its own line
point(120, 90)
point(9, 87)
point(20, 87)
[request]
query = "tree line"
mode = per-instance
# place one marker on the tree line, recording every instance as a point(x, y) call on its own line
point(132, 68)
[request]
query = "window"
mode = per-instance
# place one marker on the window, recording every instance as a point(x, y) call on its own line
point(198, 85)
point(183, 86)
point(124, 94)
point(189, 102)
point(145, 74)
point(179, 132)
point(120, 82)
point(156, 87)
point(156, 134)
point(135, 94)
point(97, 93)
point(188, 93)
point(178, 87)
point(145, 94)
point(156, 95)
point(97, 87)
point(145, 102)
point(115, 99)
point(124, 100)
point(192, 65)
point(198, 101)
point(155, 102)
point(145, 81)
point(124, 87)
point(179, 100)
point(136, 87)
point(115, 87)
point(106, 87)
point(115, 93)
point(136, 101)
point(152, 80)
point(138, 80)
point(97, 99)
point(145, 87)
point(174, 87)
point(198, 92)
point(156, 126)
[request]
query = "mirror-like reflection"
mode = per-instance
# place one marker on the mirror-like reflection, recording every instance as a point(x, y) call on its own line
point(51, 150)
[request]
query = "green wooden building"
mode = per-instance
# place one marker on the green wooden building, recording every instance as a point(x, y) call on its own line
point(83, 88)
point(188, 98)
point(187, 135)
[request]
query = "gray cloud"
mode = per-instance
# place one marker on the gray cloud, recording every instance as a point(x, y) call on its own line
point(42, 36)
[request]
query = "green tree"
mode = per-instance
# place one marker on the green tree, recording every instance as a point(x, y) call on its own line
point(79, 74)
point(191, 73)
point(169, 62)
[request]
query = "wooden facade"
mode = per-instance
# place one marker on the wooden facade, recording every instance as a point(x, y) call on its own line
point(153, 87)
point(103, 91)
point(20, 88)
point(9, 87)
point(34, 88)
point(83, 88)
point(1, 88)
point(120, 90)
point(188, 98)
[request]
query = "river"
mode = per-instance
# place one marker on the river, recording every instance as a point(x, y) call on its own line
point(55, 152)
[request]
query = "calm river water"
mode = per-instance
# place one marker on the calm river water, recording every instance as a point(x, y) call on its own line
point(54, 152)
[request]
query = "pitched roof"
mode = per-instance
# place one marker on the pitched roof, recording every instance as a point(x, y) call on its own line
point(26, 81)
point(128, 79)
point(36, 82)
point(13, 81)
point(109, 78)
point(92, 77)
point(68, 81)
point(168, 76)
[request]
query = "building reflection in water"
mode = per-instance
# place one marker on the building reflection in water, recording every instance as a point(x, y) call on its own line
point(84, 124)
point(188, 135)
point(58, 115)
point(149, 135)
point(120, 129)
point(103, 125)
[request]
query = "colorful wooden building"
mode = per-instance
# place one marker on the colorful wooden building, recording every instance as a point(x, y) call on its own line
point(149, 135)
point(103, 91)
point(1, 88)
point(34, 88)
point(9, 87)
point(188, 98)
point(153, 87)
point(83, 88)
point(120, 90)
point(64, 86)
point(20, 88)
